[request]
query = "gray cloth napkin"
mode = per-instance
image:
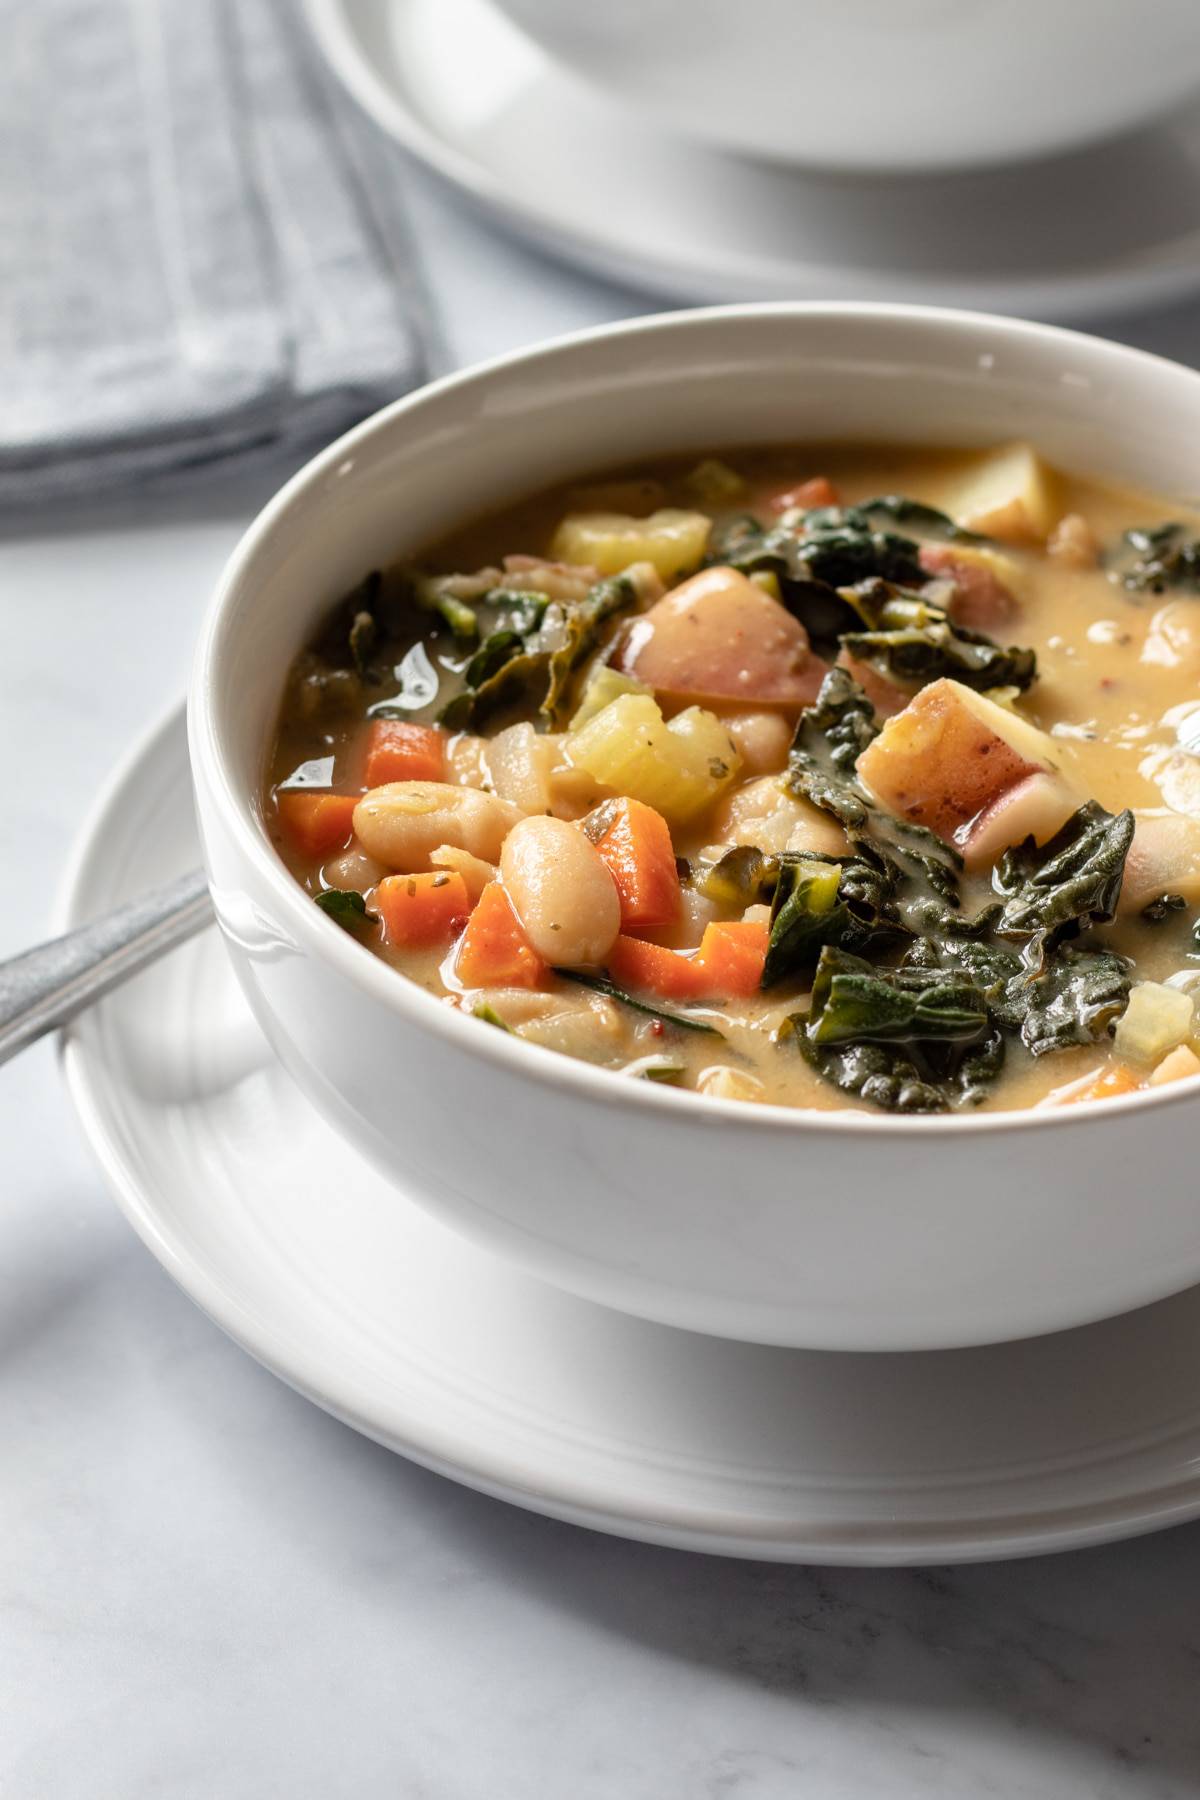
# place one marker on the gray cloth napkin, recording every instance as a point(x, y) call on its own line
point(203, 248)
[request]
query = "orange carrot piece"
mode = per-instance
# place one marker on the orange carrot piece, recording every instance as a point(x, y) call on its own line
point(419, 910)
point(494, 951)
point(732, 955)
point(318, 824)
point(667, 973)
point(400, 751)
point(638, 850)
point(820, 491)
point(1106, 1084)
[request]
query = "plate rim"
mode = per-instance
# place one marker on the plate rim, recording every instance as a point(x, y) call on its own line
point(496, 1473)
point(1138, 282)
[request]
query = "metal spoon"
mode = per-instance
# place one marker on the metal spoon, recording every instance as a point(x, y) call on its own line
point(43, 988)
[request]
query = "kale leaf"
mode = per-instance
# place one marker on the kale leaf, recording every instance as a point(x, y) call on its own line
point(1073, 1000)
point(1153, 558)
point(848, 902)
point(531, 657)
point(601, 984)
point(829, 739)
point(906, 1040)
point(1074, 881)
point(911, 640)
point(347, 908)
point(898, 509)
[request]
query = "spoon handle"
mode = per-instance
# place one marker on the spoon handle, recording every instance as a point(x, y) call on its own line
point(42, 988)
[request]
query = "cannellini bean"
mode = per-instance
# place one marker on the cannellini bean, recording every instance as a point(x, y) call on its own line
point(562, 891)
point(476, 873)
point(403, 822)
point(762, 739)
point(354, 869)
point(519, 761)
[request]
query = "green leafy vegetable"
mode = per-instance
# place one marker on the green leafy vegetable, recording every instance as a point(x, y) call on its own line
point(912, 641)
point(926, 520)
point(830, 737)
point(531, 658)
point(854, 1002)
point(490, 1016)
point(1070, 883)
point(1153, 558)
point(600, 984)
point(1073, 1000)
point(904, 1040)
point(363, 634)
point(346, 908)
point(432, 595)
point(581, 634)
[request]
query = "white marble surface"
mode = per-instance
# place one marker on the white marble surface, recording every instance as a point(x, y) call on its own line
point(211, 1591)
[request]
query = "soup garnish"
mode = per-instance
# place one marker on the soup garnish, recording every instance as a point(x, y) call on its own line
point(818, 778)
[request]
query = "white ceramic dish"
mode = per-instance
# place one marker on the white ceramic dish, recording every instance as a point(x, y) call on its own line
point(844, 1230)
point(350, 1291)
point(456, 84)
point(868, 84)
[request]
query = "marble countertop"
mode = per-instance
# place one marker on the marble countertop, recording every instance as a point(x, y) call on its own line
point(211, 1591)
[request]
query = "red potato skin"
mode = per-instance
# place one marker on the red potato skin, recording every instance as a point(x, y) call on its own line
point(973, 766)
point(717, 638)
point(981, 601)
point(818, 491)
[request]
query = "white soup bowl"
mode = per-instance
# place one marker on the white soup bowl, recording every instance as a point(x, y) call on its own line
point(848, 1230)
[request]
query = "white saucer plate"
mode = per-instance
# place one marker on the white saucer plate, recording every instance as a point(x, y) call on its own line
point(349, 1291)
point(1097, 232)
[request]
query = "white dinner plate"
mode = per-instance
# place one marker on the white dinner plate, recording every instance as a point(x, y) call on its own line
point(349, 1291)
point(1111, 228)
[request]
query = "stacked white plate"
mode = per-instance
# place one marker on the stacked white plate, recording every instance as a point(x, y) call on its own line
point(1111, 228)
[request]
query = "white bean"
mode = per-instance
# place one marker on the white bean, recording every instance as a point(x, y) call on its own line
point(562, 892)
point(403, 822)
point(353, 868)
point(762, 738)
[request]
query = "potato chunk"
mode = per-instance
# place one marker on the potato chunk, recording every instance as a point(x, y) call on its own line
point(1007, 494)
point(719, 637)
point(609, 541)
point(950, 756)
point(1164, 858)
point(1036, 807)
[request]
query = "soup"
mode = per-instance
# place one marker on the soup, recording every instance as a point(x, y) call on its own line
point(818, 778)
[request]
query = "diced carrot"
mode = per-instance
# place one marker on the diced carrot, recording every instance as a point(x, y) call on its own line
point(494, 951)
point(318, 824)
point(732, 955)
point(820, 491)
point(419, 910)
point(638, 850)
point(1105, 1084)
point(667, 973)
point(400, 751)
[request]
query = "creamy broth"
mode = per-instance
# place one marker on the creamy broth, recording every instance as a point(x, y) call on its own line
point(1118, 677)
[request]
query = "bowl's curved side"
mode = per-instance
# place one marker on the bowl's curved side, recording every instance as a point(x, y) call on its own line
point(840, 1230)
point(1100, 69)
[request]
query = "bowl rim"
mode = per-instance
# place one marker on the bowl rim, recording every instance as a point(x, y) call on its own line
point(323, 938)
